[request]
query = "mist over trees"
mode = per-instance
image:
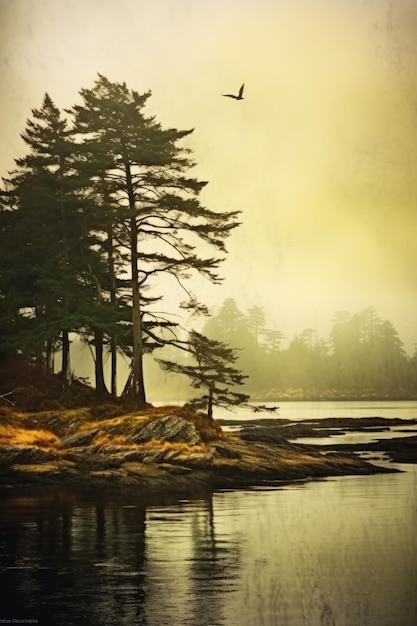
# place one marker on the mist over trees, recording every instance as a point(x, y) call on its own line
point(363, 356)
point(102, 206)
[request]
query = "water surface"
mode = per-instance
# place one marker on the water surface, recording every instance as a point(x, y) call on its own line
point(322, 409)
point(337, 552)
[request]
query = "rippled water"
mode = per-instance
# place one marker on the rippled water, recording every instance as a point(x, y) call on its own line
point(338, 552)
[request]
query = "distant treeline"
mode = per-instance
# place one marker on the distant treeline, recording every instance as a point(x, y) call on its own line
point(363, 357)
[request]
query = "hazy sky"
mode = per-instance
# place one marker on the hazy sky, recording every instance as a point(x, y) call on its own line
point(321, 155)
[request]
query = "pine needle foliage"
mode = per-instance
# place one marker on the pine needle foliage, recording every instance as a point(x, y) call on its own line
point(212, 369)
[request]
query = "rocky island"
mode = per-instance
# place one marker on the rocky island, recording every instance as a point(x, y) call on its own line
point(171, 448)
point(164, 449)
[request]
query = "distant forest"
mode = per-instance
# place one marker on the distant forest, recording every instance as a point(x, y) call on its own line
point(362, 358)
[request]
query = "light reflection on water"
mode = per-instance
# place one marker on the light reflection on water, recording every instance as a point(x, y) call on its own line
point(336, 552)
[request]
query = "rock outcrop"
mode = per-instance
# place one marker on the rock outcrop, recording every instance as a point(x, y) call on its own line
point(170, 428)
point(175, 452)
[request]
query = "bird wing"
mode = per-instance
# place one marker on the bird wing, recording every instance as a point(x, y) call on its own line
point(241, 90)
point(228, 95)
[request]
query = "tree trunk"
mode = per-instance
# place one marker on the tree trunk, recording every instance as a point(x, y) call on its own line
point(210, 403)
point(65, 256)
point(137, 384)
point(113, 366)
point(66, 374)
point(99, 368)
point(49, 356)
point(137, 390)
point(98, 344)
point(113, 339)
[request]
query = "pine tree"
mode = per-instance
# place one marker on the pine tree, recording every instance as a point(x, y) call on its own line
point(256, 321)
point(47, 280)
point(111, 311)
point(159, 219)
point(213, 371)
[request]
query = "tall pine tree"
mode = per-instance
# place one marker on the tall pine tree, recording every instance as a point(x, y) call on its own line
point(159, 220)
point(47, 278)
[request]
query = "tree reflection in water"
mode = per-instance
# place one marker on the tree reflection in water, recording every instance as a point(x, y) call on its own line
point(341, 551)
point(72, 559)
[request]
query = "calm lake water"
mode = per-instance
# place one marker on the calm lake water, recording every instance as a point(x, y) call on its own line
point(337, 552)
point(319, 410)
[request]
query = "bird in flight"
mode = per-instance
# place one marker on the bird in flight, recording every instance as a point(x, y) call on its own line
point(238, 97)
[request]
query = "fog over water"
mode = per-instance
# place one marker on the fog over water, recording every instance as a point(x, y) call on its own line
point(321, 155)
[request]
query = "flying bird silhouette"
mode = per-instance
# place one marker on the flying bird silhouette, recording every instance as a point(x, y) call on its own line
point(238, 97)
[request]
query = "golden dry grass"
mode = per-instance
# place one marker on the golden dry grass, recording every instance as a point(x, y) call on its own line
point(128, 423)
point(103, 439)
point(15, 435)
point(45, 428)
point(12, 435)
point(183, 448)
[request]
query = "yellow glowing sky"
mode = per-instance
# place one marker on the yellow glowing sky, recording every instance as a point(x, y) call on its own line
point(321, 155)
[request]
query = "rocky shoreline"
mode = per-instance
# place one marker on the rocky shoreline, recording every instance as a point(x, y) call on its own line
point(399, 447)
point(177, 451)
